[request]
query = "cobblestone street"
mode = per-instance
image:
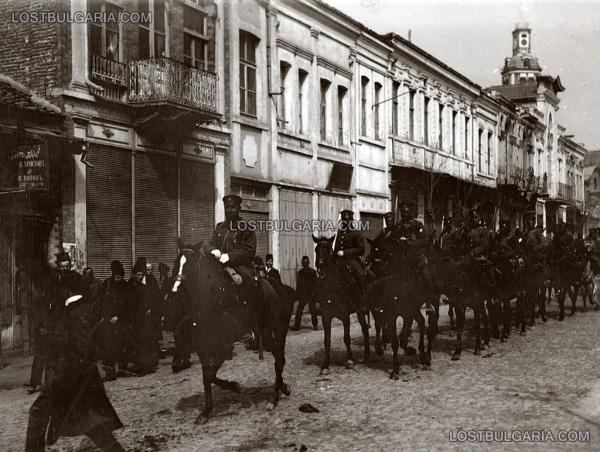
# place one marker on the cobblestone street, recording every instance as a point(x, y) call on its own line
point(547, 379)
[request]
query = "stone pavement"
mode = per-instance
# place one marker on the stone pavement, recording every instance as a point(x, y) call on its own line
point(548, 379)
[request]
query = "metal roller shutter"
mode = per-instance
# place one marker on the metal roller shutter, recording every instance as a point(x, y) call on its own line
point(197, 200)
point(262, 236)
point(108, 208)
point(156, 208)
point(294, 206)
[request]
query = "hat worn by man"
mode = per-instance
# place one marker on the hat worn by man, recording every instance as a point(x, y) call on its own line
point(234, 200)
point(347, 212)
point(116, 267)
point(63, 257)
point(388, 215)
point(140, 265)
point(407, 206)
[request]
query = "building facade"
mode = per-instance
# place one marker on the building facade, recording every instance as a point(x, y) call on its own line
point(295, 106)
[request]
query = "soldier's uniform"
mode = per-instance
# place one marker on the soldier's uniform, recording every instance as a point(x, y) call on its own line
point(234, 238)
point(505, 241)
point(449, 241)
point(351, 243)
point(390, 230)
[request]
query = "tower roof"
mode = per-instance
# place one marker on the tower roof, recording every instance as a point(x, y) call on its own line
point(522, 61)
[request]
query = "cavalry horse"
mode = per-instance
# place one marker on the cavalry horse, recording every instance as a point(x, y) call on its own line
point(337, 298)
point(222, 314)
point(398, 291)
point(463, 281)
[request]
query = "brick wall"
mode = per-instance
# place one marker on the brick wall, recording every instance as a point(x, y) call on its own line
point(35, 54)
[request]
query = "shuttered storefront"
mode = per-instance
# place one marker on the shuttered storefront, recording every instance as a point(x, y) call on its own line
point(197, 200)
point(375, 225)
point(155, 208)
point(168, 202)
point(262, 235)
point(329, 209)
point(108, 208)
point(294, 206)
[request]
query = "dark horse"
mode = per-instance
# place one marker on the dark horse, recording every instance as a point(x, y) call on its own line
point(222, 314)
point(400, 292)
point(337, 297)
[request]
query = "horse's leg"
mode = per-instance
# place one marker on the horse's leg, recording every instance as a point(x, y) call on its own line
point(506, 319)
point(326, 319)
point(261, 348)
point(451, 313)
point(378, 347)
point(364, 326)
point(347, 341)
point(405, 332)
point(460, 323)
point(574, 293)
point(421, 322)
point(542, 307)
point(494, 308)
point(278, 352)
point(431, 333)
point(477, 317)
point(209, 374)
point(561, 303)
point(395, 375)
point(486, 329)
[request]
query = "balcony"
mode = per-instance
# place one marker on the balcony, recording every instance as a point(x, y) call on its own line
point(565, 191)
point(157, 81)
point(158, 88)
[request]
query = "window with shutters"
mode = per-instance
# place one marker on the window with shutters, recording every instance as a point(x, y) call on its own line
point(324, 92)
point(105, 39)
point(151, 38)
point(376, 109)
point(411, 114)
point(195, 37)
point(248, 44)
point(342, 91)
point(284, 69)
point(302, 100)
point(364, 85)
point(466, 139)
point(440, 139)
point(479, 149)
point(454, 133)
point(426, 120)
point(395, 108)
point(489, 154)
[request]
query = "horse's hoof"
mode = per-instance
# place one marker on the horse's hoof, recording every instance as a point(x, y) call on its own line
point(561, 318)
point(410, 351)
point(235, 386)
point(455, 356)
point(202, 419)
point(477, 352)
point(379, 350)
point(285, 389)
point(394, 376)
point(324, 371)
point(349, 364)
point(270, 405)
point(427, 366)
point(502, 339)
point(544, 318)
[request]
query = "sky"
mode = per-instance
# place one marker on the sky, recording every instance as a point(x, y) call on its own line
point(474, 37)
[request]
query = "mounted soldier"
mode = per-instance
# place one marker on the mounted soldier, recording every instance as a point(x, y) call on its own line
point(449, 241)
point(349, 246)
point(535, 243)
point(505, 240)
point(480, 242)
point(390, 230)
point(233, 242)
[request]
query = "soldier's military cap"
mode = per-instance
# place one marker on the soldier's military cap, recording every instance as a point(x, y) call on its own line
point(346, 213)
point(116, 267)
point(140, 265)
point(232, 200)
point(388, 214)
point(63, 257)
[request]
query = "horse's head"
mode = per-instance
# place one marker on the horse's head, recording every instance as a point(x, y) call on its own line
point(187, 259)
point(323, 250)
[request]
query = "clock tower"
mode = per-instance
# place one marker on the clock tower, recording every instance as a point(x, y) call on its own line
point(523, 66)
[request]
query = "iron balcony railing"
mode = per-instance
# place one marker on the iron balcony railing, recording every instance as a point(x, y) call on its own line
point(102, 68)
point(565, 191)
point(162, 80)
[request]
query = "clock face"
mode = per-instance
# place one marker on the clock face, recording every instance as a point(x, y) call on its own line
point(523, 42)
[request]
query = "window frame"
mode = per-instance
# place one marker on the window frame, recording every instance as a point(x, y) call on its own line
point(454, 121)
point(152, 32)
point(426, 106)
point(197, 36)
point(440, 137)
point(395, 108)
point(284, 72)
point(342, 92)
point(378, 88)
point(364, 85)
point(104, 27)
point(411, 113)
point(324, 87)
point(302, 77)
point(244, 66)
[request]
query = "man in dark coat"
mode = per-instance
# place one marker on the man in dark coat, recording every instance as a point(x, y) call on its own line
point(390, 230)
point(73, 402)
point(94, 291)
point(233, 243)
point(349, 245)
point(305, 286)
point(148, 306)
point(117, 321)
point(270, 271)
